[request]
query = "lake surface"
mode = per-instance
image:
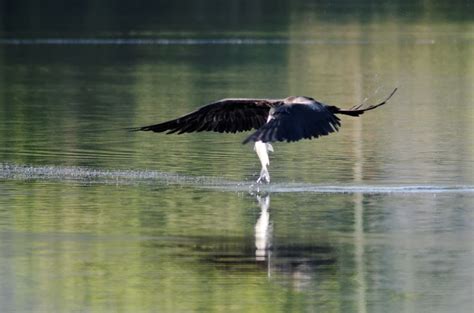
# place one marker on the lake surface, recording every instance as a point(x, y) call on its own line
point(375, 218)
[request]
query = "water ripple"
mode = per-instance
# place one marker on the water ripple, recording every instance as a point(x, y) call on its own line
point(210, 41)
point(129, 177)
point(174, 41)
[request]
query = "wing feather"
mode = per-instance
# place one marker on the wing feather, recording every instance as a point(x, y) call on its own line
point(226, 115)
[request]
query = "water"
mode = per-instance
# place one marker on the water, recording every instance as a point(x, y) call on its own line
point(378, 217)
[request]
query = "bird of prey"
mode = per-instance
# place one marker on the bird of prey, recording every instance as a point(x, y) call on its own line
point(289, 119)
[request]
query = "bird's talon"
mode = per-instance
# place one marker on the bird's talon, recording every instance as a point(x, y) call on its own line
point(263, 180)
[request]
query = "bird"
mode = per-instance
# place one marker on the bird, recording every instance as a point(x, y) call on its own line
point(288, 119)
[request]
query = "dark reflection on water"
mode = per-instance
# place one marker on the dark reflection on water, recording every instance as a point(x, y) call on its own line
point(186, 16)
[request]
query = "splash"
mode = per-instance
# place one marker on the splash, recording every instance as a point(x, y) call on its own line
point(86, 175)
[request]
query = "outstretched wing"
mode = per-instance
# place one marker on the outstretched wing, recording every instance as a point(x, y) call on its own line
point(295, 121)
point(226, 115)
point(292, 122)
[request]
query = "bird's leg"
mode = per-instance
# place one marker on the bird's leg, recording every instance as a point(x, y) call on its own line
point(262, 149)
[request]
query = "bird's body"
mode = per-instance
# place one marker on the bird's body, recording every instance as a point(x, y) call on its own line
point(288, 119)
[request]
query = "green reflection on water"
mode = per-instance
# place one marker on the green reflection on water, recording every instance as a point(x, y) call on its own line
point(82, 247)
point(72, 246)
point(108, 248)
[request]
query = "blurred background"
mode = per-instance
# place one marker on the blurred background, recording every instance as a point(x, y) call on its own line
point(95, 218)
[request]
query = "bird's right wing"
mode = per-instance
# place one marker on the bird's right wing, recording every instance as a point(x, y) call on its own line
point(226, 115)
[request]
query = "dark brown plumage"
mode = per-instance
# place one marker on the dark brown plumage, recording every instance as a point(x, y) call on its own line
point(226, 115)
point(289, 119)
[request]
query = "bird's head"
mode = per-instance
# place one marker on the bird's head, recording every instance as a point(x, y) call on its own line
point(299, 99)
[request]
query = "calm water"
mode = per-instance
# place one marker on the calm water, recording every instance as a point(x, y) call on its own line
point(375, 218)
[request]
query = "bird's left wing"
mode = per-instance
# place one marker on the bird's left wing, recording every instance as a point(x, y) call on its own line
point(226, 115)
point(292, 122)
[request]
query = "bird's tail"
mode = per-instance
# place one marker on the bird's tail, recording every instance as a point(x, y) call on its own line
point(360, 109)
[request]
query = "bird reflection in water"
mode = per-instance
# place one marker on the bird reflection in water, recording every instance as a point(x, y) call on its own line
point(263, 232)
point(295, 259)
point(298, 261)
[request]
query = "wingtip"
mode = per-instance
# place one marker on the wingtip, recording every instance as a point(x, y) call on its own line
point(393, 92)
point(133, 129)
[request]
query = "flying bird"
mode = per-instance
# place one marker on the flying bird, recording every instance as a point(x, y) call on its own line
point(289, 119)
